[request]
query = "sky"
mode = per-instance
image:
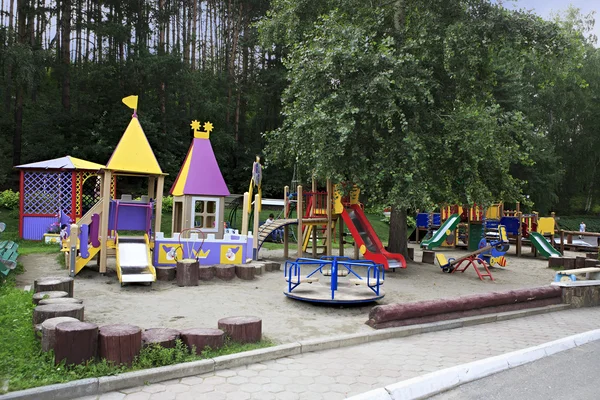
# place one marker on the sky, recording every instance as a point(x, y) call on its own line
point(545, 8)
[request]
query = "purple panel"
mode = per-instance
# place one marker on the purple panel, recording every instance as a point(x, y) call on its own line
point(56, 163)
point(94, 228)
point(249, 249)
point(83, 241)
point(130, 218)
point(35, 227)
point(204, 176)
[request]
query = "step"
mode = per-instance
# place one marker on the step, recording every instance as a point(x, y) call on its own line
point(126, 278)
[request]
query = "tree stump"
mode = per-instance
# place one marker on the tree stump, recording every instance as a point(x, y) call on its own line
point(39, 296)
point(428, 257)
point(555, 262)
point(42, 313)
point(187, 272)
point(49, 331)
point(62, 300)
point(164, 337)
point(165, 273)
point(411, 253)
point(225, 272)
point(272, 267)
point(592, 255)
point(242, 329)
point(206, 272)
point(119, 344)
point(245, 272)
point(199, 338)
point(75, 342)
point(54, 283)
point(579, 262)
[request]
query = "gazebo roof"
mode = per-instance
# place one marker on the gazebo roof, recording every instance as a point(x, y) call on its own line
point(133, 153)
point(63, 163)
point(200, 173)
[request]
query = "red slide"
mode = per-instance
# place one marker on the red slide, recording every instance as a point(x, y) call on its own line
point(367, 240)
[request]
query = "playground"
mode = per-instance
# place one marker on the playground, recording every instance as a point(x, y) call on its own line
point(284, 320)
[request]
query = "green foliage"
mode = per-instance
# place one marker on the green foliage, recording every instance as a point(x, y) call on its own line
point(167, 204)
point(9, 200)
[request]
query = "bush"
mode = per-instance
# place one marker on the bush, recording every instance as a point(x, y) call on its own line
point(9, 200)
point(167, 204)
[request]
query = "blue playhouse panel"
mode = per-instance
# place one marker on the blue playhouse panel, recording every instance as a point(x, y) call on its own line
point(512, 225)
point(35, 227)
point(130, 218)
point(437, 219)
point(492, 224)
point(422, 220)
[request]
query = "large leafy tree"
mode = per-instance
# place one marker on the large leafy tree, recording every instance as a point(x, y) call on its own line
point(418, 102)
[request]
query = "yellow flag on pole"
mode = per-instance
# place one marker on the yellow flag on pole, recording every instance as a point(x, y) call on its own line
point(131, 101)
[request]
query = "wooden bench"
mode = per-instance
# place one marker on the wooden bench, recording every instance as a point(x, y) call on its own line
point(8, 256)
point(570, 274)
point(371, 282)
point(298, 280)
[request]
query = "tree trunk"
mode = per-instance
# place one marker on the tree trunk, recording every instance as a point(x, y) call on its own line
point(225, 272)
point(196, 339)
point(49, 331)
point(39, 296)
point(194, 31)
point(66, 55)
point(42, 313)
point(398, 232)
point(164, 337)
point(187, 273)
point(54, 283)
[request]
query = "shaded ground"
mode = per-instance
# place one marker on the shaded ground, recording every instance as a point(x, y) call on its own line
point(164, 304)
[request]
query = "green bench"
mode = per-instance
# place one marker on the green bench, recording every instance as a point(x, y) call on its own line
point(8, 256)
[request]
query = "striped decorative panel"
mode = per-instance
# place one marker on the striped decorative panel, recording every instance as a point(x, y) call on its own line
point(35, 227)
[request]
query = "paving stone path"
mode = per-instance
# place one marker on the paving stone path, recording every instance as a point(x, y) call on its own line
point(339, 373)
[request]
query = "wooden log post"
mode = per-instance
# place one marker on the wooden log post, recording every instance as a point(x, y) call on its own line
point(42, 313)
point(119, 344)
point(591, 262)
point(225, 272)
point(428, 257)
point(196, 339)
point(39, 296)
point(555, 262)
point(75, 342)
point(164, 337)
point(245, 272)
point(63, 300)
point(49, 331)
point(165, 273)
point(568, 263)
point(187, 272)
point(206, 272)
point(411, 253)
point(242, 329)
point(579, 262)
point(50, 284)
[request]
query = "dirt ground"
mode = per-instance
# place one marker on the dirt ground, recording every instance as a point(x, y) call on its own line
point(164, 304)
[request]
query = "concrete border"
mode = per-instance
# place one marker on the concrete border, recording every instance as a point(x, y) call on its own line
point(424, 386)
point(97, 386)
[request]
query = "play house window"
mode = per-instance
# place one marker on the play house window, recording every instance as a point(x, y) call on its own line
point(205, 212)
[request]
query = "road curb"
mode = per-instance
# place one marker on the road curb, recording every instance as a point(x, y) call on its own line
point(424, 386)
point(97, 386)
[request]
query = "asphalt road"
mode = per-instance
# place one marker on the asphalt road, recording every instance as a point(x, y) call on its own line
point(569, 375)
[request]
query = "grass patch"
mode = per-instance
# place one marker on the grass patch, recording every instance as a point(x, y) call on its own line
point(24, 365)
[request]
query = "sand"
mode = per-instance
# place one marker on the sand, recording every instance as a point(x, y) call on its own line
point(164, 304)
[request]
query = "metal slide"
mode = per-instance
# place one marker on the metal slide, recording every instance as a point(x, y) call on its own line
point(440, 235)
point(543, 246)
point(367, 239)
point(134, 261)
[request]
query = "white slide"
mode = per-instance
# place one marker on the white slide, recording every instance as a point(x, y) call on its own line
point(134, 263)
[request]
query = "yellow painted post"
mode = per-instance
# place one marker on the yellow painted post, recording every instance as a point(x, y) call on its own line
point(329, 218)
point(245, 209)
point(106, 197)
point(299, 237)
point(286, 229)
point(160, 186)
point(255, 229)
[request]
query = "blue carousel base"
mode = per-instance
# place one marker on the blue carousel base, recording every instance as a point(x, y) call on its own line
point(345, 294)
